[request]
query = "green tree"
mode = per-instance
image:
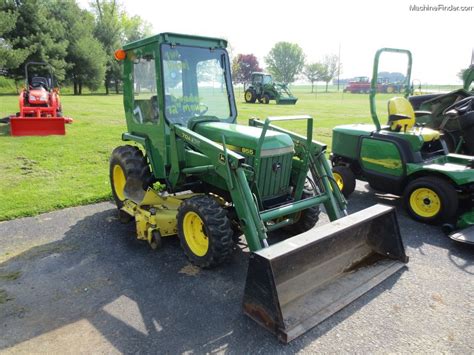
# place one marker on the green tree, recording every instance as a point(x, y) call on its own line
point(34, 36)
point(108, 31)
point(313, 72)
point(113, 28)
point(285, 61)
point(133, 28)
point(329, 68)
point(10, 57)
point(243, 66)
point(85, 59)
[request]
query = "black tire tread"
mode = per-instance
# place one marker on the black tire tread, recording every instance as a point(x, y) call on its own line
point(218, 229)
point(133, 163)
point(446, 192)
point(348, 178)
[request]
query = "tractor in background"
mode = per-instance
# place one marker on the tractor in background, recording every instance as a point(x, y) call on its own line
point(189, 169)
point(40, 105)
point(408, 160)
point(263, 89)
point(361, 85)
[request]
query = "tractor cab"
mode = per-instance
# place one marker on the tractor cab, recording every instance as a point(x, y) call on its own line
point(259, 79)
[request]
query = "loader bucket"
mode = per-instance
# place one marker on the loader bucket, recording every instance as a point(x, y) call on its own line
point(33, 126)
point(294, 285)
point(287, 101)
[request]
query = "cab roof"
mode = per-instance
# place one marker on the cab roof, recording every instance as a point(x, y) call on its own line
point(178, 39)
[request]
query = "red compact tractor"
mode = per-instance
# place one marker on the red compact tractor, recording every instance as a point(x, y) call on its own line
point(40, 106)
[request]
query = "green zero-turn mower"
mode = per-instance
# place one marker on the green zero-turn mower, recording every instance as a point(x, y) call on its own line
point(198, 174)
point(407, 160)
point(263, 89)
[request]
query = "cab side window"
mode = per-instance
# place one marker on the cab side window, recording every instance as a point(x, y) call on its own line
point(144, 86)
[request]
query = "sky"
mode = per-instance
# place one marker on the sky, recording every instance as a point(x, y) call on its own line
point(440, 41)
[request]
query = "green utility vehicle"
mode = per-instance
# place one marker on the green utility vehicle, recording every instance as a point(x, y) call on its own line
point(190, 170)
point(407, 160)
point(263, 89)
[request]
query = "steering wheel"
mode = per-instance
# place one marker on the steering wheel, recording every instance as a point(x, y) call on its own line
point(461, 106)
point(203, 109)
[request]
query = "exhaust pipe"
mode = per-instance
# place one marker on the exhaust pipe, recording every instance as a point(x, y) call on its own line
point(296, 284)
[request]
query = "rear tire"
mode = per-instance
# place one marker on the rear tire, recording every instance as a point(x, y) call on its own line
point(266, 99)
point(345, 179)
point(431, 200)
point(250, 96)
point(127, 161)
point(205, 232)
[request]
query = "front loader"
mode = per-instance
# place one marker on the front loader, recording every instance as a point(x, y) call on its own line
point(207, 179)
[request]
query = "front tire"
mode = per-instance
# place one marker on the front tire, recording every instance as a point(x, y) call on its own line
point(205, 232)
point(345, 179)
point(431, 200)
point(306, 219)
point(250, 96)
point(127, 162)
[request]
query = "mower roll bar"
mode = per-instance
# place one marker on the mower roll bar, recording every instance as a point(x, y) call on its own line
point(373, 84)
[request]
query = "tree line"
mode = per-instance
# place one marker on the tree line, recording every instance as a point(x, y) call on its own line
point(77, 43)
point(286, 62)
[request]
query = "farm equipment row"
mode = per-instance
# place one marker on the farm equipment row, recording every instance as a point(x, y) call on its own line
point(362, 85)
point(189, 170)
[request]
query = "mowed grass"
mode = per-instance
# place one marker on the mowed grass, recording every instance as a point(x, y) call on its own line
point(40, 174)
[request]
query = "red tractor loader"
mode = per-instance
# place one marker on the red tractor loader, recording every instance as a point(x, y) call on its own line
point(40, 106)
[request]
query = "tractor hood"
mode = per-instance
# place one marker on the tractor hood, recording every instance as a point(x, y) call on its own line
point(244, 139)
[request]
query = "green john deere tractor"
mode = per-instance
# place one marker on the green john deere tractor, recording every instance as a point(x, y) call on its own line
point(407, 160)
point(263, 89)
point(190, 170)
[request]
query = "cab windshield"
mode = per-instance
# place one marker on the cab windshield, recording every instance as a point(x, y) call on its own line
point(267, 79)
point(196, 83)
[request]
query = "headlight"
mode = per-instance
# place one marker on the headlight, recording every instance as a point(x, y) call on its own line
point(32, 98)
point(44, 97)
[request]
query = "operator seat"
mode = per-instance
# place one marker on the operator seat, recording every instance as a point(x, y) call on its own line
point(401, 118)
point(39, 82)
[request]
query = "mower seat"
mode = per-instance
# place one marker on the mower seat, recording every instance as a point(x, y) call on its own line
point(401, 118)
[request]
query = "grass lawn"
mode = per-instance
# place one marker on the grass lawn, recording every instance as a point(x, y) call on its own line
point(39, 174)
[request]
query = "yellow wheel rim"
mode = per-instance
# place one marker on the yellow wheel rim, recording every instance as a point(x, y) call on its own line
point(248, 96)
point(119, 181)
point(390, 89)
point(196, 238)
point(425, 202)
point(339, 181)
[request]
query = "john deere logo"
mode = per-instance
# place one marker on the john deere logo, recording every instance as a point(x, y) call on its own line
point(222, 158)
